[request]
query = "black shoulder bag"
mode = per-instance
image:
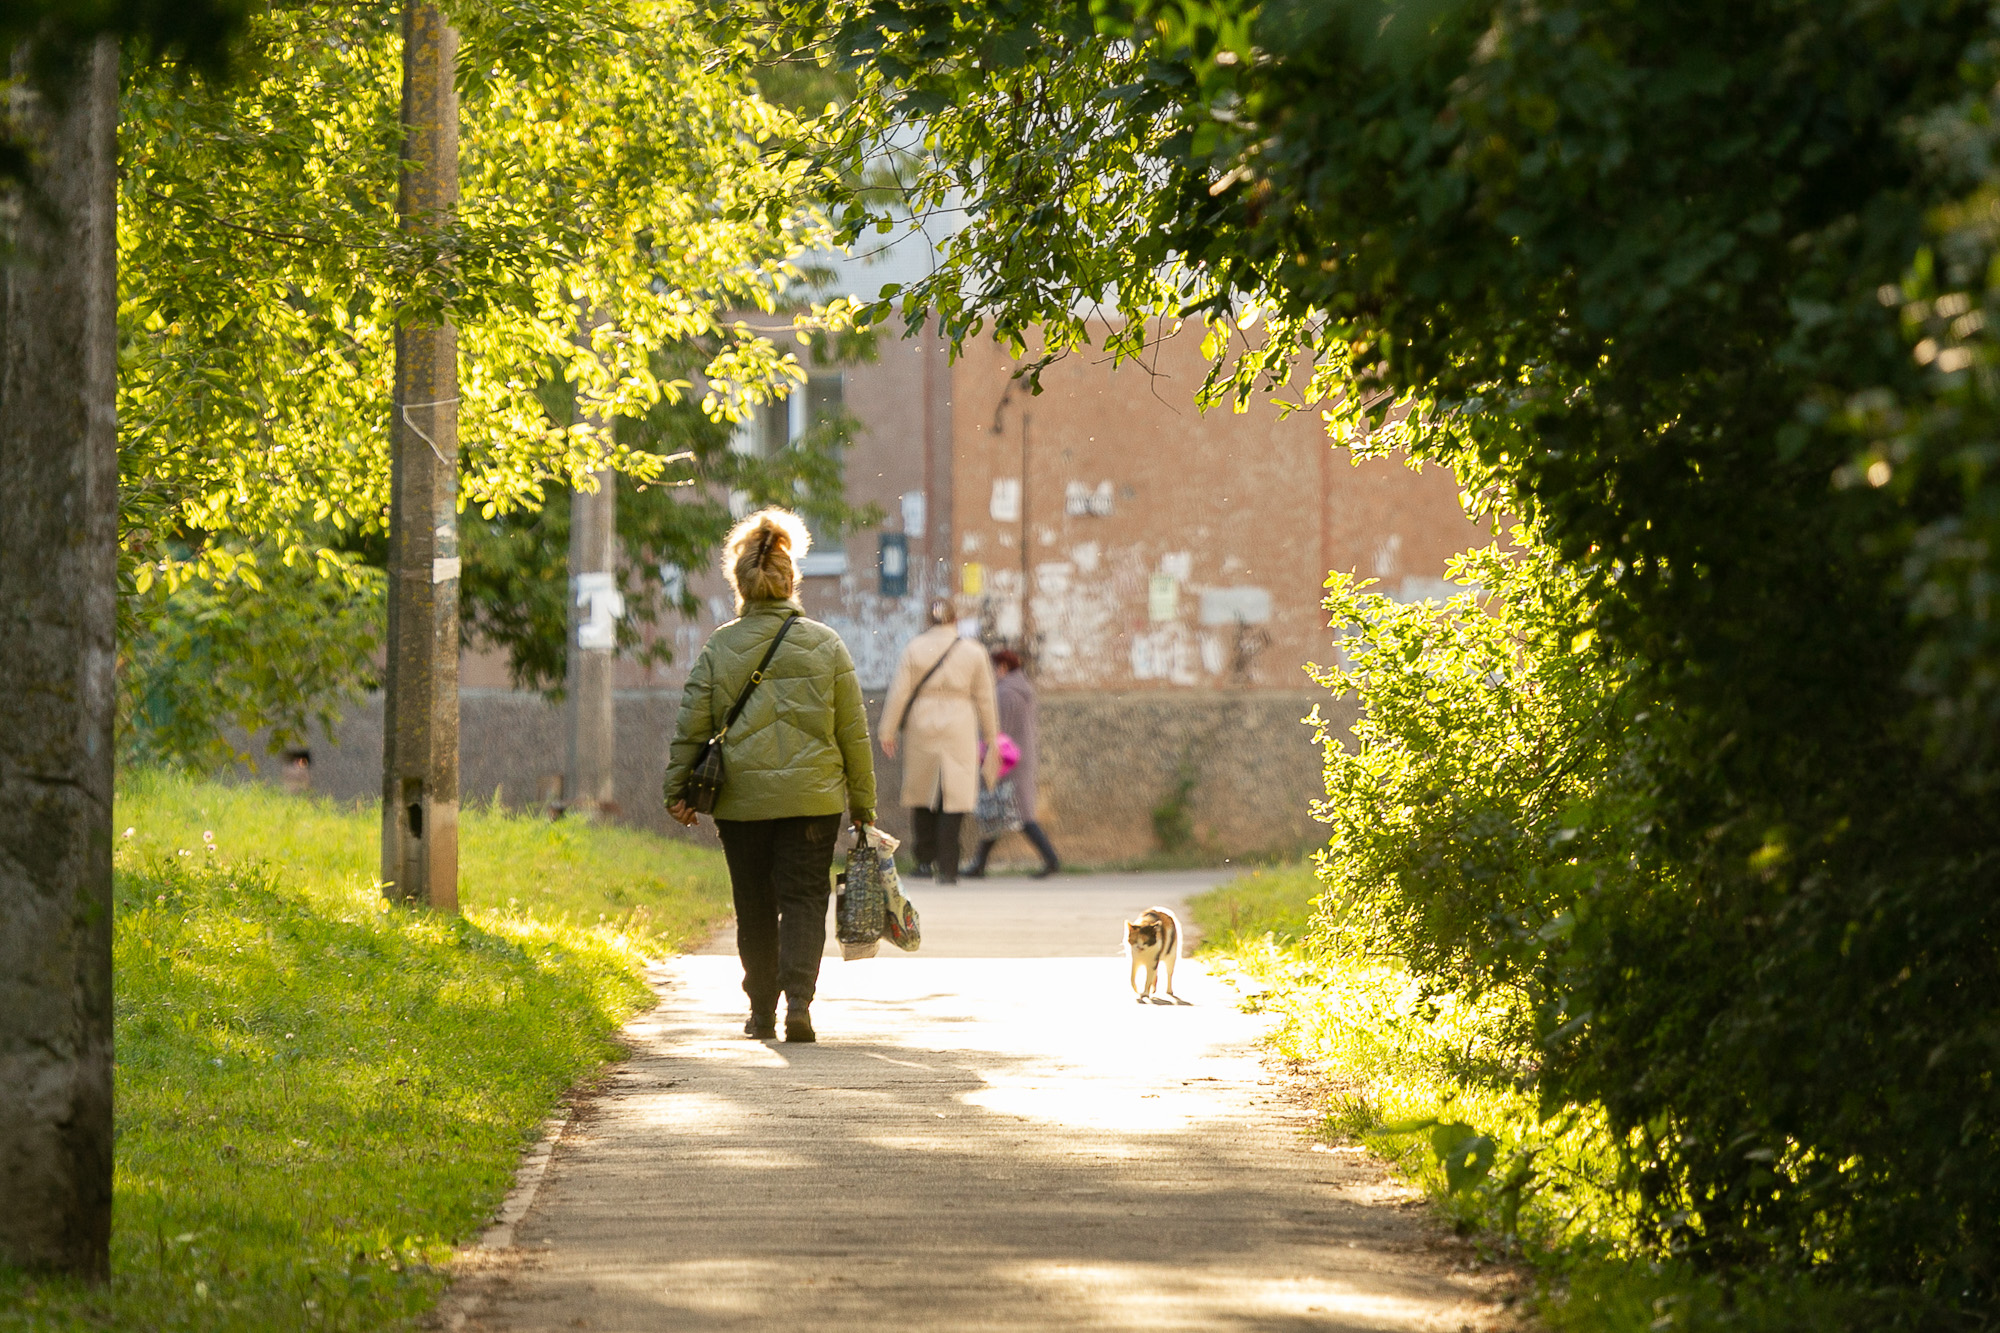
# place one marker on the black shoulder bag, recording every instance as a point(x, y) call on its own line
point(704, 782)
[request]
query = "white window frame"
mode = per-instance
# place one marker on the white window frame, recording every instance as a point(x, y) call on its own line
point(818, 563)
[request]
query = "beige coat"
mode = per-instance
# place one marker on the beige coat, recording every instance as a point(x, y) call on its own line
point(947, 722)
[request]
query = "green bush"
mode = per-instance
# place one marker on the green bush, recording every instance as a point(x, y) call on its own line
point(1409, 1074)
point(1769, 1007)
point(1423, 1078)
point(1706, 294)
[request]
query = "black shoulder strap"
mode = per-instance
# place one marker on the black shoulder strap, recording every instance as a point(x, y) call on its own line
point(901, 721)
point(757, 676)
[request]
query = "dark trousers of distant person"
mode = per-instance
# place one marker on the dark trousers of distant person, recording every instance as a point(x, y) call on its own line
point(935, 833)
point(779, 875)
point(1032, 831)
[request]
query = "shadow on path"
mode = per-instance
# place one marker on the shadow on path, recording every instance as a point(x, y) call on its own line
point(974, 1144)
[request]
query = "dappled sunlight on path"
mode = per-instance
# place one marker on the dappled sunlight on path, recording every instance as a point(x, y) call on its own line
point(976, 1143)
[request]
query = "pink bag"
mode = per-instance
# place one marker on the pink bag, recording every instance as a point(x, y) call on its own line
point(1010, 753)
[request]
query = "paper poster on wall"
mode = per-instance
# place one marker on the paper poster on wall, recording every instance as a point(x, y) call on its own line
point(1236, 606)
point(972, 579)
point(597, 596)
point(1163, 598)
point(1005, 506)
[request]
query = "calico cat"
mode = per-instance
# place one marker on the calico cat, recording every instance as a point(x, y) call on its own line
point(1153, 942)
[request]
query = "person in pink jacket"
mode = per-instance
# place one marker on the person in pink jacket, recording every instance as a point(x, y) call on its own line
point(1017, 720)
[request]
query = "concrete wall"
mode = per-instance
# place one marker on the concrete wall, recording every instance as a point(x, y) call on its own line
point(1108, 761)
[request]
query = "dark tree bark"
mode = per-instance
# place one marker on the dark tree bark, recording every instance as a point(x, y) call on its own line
point(420, 686)
point(58, 594)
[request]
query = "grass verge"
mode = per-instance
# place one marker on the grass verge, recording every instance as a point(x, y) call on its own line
point(1419, 1081)
point(319, 1095)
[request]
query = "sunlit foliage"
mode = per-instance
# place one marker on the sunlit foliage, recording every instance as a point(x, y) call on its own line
point(1697, 291)
point(623, 190)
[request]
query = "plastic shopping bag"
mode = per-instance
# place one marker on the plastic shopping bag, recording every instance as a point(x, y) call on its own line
point(900, 927)
point(998, 812)
point(861, 911)
point(871, 902)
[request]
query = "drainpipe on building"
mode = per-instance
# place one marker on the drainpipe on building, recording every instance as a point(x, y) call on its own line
point(1027, 645)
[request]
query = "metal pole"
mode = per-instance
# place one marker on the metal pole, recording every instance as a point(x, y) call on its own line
point(594, 609)
point(420, 692)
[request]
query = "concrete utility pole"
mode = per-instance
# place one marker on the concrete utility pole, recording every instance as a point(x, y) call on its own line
point(595, 606)
point(420, 693)
point(58, 607)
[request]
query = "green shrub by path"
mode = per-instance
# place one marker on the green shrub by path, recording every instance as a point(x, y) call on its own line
point(1423, 1082)
point(1395, 1055)
point(319, 1094)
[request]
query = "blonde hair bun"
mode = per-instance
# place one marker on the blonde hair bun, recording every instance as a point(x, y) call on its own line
point(762, 553)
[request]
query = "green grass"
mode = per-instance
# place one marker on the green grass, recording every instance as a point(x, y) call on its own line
point(1394, 1056)
point(1275, 901)
point(320, 1095)
point(1406, 1074)
point(661, 891)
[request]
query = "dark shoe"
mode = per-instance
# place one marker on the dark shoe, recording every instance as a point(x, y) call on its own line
point(922, 870)
point(762, 1026)
point(1045, 871)
point(974, 872)
point(799, 1026)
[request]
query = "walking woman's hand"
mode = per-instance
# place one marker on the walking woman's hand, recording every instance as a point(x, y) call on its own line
point(683, 813)
point(888, 745)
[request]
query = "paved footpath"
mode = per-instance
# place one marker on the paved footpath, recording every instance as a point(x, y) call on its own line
point(989, 1135)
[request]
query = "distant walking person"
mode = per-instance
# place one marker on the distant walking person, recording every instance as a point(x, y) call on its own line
point(794, 757)
point(1017, 720)
point(940, 711)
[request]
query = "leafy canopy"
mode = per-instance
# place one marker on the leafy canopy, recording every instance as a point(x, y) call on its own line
point(614, 179)
point(1701, 293)
point(621, 191)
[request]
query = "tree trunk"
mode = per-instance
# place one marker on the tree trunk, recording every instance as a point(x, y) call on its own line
point(420, 691)
point(58, 595)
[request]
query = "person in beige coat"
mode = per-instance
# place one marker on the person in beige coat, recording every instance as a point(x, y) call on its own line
point(939, 719)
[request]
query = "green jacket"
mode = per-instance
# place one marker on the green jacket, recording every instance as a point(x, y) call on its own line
point(801, 746)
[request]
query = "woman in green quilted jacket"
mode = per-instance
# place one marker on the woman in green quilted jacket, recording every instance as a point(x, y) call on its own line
point(794, 762)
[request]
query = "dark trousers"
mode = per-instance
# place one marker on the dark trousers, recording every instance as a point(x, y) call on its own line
point(778, 874)
point(1034, 834)
point(936, 836)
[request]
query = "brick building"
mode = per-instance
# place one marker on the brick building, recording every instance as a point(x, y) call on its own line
point(1159, 568)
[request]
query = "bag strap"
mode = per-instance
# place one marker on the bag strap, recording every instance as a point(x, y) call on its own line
point(903, 721)
point(757, 676)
